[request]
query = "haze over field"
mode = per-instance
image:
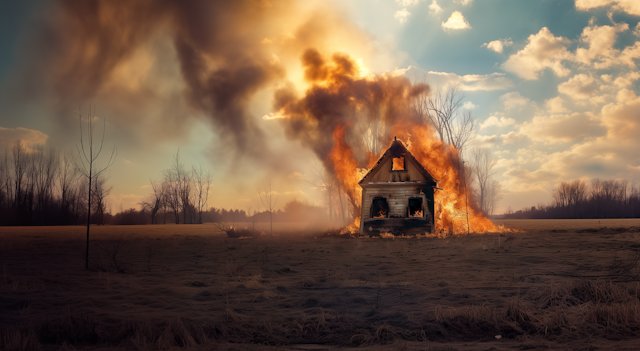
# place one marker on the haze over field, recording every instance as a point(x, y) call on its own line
point(551, 84)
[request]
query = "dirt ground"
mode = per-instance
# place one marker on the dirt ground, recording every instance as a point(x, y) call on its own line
point(557, 284)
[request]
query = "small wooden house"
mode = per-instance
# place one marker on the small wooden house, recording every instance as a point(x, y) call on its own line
point(397, 195)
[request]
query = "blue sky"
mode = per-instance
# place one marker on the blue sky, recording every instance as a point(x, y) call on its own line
point(553, 86)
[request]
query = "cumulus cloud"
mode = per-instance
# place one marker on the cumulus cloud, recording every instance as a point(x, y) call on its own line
point(558, 128)
point(600, 53)
point(511, 137)
point(498, 45)
point(456, 21)
point(555, 105)
point(622, 119)
point(484, 141)
point(28, 137)
point(469, 105)
point(631, 7)
point(407, 2)
point(469, 82)
point(464, 2)
point(498, 122)
point(514, 100)
point(525, 179)
point(579, 87)
point(434, 8)
point(402, 15)
point(626, 80)
point(543, 50)
point(636, 31)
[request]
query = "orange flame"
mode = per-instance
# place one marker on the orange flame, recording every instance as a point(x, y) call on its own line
point(362, 113)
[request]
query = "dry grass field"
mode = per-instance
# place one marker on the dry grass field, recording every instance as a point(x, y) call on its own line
point(557, 284)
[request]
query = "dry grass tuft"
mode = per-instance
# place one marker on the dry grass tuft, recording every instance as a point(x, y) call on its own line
point(15, 340)
point(175, 334)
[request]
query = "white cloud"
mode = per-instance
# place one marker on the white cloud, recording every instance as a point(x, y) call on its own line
point(402, 15)
point(558, 128)
point(631, 7)
point(469, 82)
point(28, 137)
point(464, 2)
point(434, 8)
point(626, 80)
point(555, 105)
point(406, 3)
point(600, 54)
point(636, 31)
point(511, 137)
point(456, 21)
point(637, 168)
point(543, 50)
point(579, 87)
point(498, 45)
point(484, 141)
point(469, 105)
point(498, 122)
point(514, 100)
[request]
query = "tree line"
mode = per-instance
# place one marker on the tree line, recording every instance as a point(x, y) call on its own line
point(42, 186)
point(579, 199)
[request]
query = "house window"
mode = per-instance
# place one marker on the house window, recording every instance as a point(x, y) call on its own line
point(398, 164)
point(415, 207)
point(379, 208)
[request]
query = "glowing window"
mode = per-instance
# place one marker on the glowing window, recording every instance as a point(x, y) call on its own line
point(379, 208)
point(398, 164)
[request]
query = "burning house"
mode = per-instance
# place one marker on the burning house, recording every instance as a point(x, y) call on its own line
point(397, 195)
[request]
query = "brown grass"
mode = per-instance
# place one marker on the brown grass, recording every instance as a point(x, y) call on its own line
point(200, 289)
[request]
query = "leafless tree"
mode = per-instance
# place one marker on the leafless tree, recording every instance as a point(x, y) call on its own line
point(100, 192)
point(266, 194)
point(67, 181)
point(202, 183)
point(330, 187)
point(488, 192)
point(155, 200)
point(88, 157)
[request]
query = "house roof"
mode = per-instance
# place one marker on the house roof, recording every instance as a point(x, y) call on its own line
point(397, 149)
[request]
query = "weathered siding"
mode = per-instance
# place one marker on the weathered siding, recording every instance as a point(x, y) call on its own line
point(385, 174)
point(397, 197)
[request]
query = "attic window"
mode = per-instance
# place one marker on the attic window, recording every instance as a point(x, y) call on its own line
point(398, 164)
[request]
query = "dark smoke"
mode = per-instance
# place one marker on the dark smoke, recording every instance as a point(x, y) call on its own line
point(339, 96)
point(217, 44)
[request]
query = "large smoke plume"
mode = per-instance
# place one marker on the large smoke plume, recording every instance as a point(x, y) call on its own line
point(173, 60)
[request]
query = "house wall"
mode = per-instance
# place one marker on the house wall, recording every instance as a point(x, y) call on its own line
point(397, 197)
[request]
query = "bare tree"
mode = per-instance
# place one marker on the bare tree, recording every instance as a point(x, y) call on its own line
point(487, 194)
point(100, 192)
point(88, 156)
point(202, 183)
point(266, 194)
point(155, 200)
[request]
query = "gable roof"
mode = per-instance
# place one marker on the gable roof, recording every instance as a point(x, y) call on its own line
point(397, 149)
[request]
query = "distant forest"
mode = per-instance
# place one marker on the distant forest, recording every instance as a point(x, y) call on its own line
point(41, 186)
point(578, 199)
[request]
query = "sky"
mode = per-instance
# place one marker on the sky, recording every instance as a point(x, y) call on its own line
point(553, 85)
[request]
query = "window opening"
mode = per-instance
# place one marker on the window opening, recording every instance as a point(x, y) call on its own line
point(415, 207)
point(379, 208)
point(398, 164)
